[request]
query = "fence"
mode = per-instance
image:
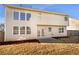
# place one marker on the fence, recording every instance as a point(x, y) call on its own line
point(1, 36)
point(73, 32)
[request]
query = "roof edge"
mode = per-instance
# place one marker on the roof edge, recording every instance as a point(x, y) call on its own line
point(37, 10)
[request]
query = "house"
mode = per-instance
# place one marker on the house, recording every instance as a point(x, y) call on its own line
point(25, 23)
point(73, 24)
point(73, 28)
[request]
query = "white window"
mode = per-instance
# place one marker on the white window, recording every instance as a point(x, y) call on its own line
point(61, 30)
point(15, 30)
point(28, 30)
point(16, 15)
point(22, 30)
point(28, 16)
point(49, 29)
point(22, 16)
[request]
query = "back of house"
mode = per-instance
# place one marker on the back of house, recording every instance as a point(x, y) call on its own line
point(25, 23)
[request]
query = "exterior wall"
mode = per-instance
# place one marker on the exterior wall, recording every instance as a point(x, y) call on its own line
point(36, 19)
point(10, 23)
point(52, 19)
point(54, 32)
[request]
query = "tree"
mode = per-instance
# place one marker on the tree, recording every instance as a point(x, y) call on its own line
point(1, 27)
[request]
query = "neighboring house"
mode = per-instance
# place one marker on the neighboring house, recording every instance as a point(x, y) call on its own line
point(73, 24)
point(25, 23)
point(73, 28)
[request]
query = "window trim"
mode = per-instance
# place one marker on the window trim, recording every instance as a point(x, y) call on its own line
point(14, 30)
point(13, 15)
point(28, 29)
point(24, 17)
point(27, 18)
point(61, 30)
point(20, 14)
point(22, 30)
point(49, 29)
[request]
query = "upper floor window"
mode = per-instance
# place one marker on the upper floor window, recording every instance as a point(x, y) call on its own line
point(28, 16)
point(22, 16)
point(61, 30)
point(66, 18)
point(16, 15)
point(15, 30)
point(50, 29)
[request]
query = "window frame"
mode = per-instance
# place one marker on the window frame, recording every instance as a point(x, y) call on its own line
point(16, 30)
point(23, 16)
point(27, 16)
point(14, 14)
point(49, 29)
point(28, 30)
point(21, 30)
point(61, 30)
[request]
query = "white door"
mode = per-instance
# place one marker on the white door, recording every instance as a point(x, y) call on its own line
point(41, 33)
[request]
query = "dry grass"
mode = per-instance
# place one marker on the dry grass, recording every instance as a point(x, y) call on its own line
point(39, 49)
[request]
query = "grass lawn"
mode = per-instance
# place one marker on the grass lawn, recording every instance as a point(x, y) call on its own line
point(39, 49)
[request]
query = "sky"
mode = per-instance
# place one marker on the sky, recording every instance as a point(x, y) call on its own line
point(70, 9)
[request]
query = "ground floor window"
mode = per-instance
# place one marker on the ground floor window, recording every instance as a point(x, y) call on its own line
point(28, 29)
point(61, 30)
point(50, 29)
point(22, 30)
point(15, 30)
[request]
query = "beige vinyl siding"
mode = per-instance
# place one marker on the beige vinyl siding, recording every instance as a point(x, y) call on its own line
point(47, 19)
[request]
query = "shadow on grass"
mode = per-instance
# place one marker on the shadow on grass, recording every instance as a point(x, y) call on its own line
point(19, 42)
